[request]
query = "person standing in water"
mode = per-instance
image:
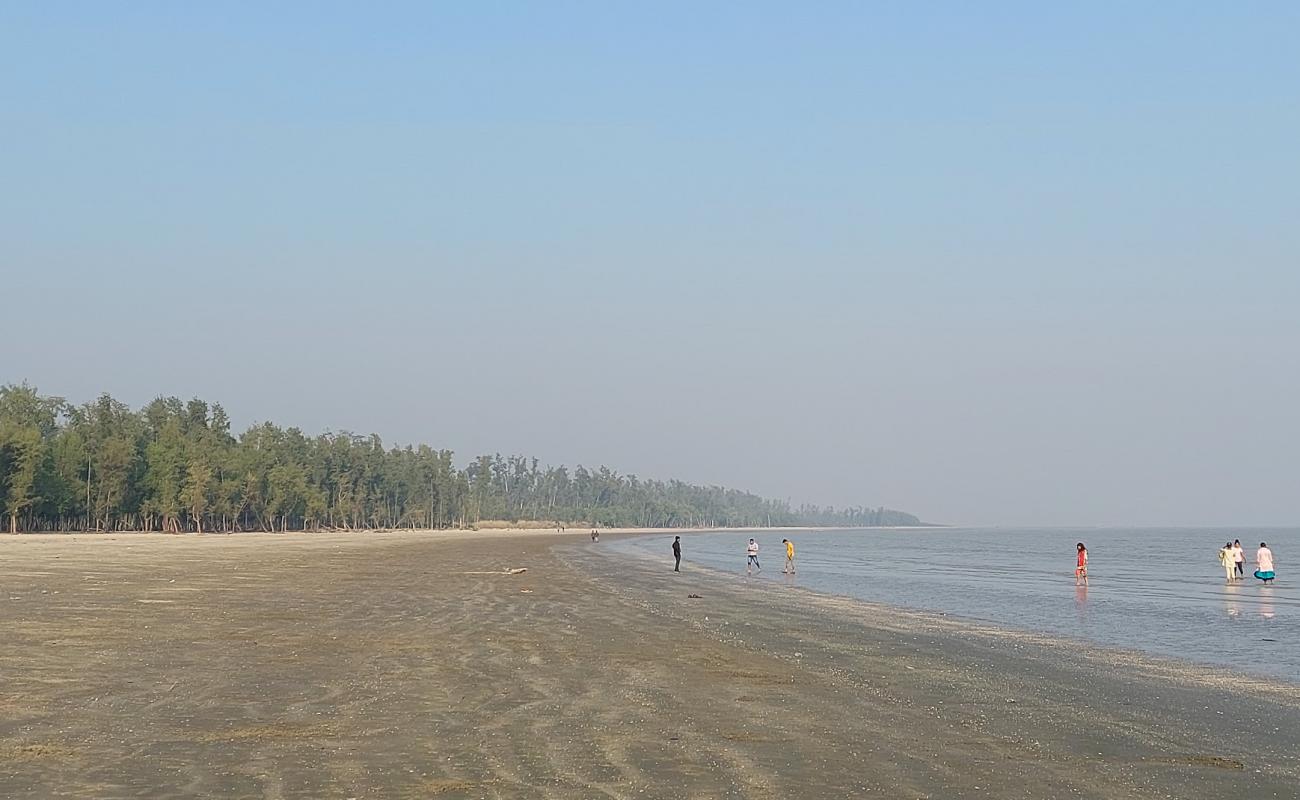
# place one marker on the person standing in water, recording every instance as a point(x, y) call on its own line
point(1227, 560)
point(789, 556)
point(677, 554)
point(1264, 560)
point(1081, 567)
point(752, 562)
point(1239, 558)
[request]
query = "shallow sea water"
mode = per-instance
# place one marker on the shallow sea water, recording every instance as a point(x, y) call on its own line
point(1157, 590)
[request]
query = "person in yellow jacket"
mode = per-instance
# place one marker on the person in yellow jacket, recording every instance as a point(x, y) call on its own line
point(789, 556)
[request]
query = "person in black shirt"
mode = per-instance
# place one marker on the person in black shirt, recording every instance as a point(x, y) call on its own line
point(677, 554)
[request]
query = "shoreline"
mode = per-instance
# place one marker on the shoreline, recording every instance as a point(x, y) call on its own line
point(904, 620)
point(407, 666)
point(1236, 718)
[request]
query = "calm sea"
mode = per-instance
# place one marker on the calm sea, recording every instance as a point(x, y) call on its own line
point(1157, 590)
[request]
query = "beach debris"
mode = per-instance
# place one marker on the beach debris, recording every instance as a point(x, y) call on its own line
point(525, 591)
point(510, 571)
point(694, 597)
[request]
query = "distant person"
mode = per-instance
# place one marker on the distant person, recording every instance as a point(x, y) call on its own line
point(595, 537)
point(789, 556)
point(752, 552)
point(1081, 566)
point(1228, 561)
point(1239, 558)
point(1264, 561)
point(677, 554)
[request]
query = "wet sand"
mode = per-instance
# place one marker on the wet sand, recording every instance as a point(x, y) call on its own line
point(400, 665)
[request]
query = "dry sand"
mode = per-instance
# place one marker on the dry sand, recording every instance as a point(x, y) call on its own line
point(400, 665)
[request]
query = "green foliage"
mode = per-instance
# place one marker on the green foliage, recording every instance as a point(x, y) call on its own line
point(174, 466)
point(21, 451)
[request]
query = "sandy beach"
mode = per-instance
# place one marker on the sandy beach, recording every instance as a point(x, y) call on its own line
point(412, 665)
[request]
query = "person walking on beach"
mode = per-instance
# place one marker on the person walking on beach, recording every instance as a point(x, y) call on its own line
point(1081, 568)
point(677, 554)
point(1227, 560)
point(1239, 558)
point(1264, 560)
point(752, 562)
point(789, 556)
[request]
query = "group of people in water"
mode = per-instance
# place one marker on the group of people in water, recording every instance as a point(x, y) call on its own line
point(1232, 557)
point(751, 560)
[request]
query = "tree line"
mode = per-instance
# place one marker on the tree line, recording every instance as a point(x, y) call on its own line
point(174, 466)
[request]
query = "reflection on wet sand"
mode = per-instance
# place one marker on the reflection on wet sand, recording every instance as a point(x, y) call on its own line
point(1232, 600)
point(1266, 602)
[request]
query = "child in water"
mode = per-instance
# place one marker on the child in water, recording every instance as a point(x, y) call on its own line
point(1081, 570)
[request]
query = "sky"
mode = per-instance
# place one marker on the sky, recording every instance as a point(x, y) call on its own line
point(998, 263)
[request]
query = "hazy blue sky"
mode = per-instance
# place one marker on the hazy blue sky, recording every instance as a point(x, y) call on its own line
point(998, 263)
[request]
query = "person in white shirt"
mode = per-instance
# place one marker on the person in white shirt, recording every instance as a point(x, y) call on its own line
point(1239, 558)
point(752, 552)
point(1264, 560)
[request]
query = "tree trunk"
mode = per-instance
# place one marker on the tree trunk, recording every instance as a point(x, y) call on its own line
point(87, 491)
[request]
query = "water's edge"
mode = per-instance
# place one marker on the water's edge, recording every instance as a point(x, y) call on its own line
point(910, 620)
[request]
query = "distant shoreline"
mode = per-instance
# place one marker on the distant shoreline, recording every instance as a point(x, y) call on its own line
point(425, 533)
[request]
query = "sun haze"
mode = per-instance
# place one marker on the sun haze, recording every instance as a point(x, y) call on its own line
point(1013, 263)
